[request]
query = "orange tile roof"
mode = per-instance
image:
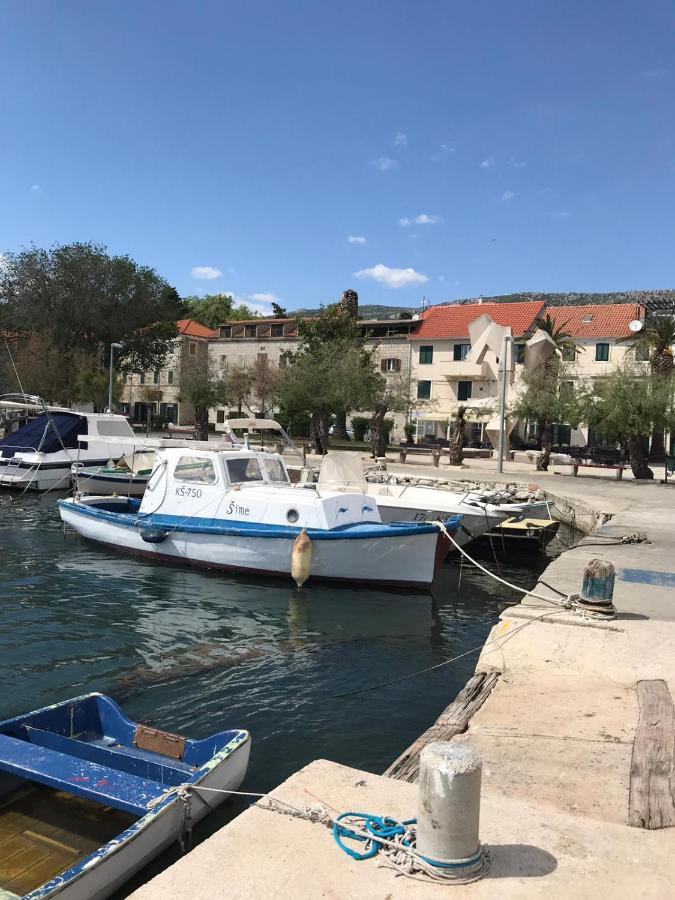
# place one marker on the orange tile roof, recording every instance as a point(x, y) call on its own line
point(194, 329)
point(453, 321)
point(608, 320)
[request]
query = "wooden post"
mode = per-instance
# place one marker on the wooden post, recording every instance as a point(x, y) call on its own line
point(402, 453)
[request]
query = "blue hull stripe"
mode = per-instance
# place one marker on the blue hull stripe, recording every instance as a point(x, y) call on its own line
point(190, 525)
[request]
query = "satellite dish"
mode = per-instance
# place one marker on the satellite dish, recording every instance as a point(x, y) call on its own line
point(636, 325)
point(416, 317)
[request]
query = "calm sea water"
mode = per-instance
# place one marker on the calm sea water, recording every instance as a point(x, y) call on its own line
point(196, 653)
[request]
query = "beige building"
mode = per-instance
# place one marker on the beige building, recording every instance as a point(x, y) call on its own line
point(245, 342)
point(157, 393)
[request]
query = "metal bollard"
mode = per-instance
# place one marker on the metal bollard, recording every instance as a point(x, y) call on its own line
point(436, 457)
point(597, 589)
point(448, 809)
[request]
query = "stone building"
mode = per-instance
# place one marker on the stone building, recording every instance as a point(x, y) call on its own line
point(157, 393)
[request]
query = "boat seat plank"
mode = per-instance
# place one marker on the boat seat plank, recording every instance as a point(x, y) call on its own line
point(85, 779)
point(122, 759)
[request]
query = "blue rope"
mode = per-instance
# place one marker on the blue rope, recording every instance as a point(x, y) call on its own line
point(376, 826)
point(386, 828)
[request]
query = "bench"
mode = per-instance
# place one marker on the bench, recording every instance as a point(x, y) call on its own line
point(63, 772)
point(577, 464)
point(434, 452)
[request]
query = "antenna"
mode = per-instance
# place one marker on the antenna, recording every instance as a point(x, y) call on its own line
point(636, 325)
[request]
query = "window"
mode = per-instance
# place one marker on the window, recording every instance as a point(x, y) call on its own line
point(463, 390)
point(195, 469)
point(460, 352)
point(155, 376)
point(391, 365)
point(562, 435)
point(222, 362)
point(241, 361)
point(642, 353)
point(226, 331)
point(601, 352)
point(169, 376)
point(277, 330)
point(283, 361)
point(519, 353)
point(192, 348)
point(220, 416)
point(275, 470)
point(569, 352)
point(250, 330)
point(114, 428)
point(262, 359)
point(426, 355)
point(244, 469)
point(142, 378)
point(567, 389)
point(423, 390)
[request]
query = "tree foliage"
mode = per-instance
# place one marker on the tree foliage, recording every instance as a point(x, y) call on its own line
point(80, 299)
point(213, 310)
point(203, 388)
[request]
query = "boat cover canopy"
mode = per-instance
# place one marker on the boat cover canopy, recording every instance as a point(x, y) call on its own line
point(48, 433)
point(342, 468)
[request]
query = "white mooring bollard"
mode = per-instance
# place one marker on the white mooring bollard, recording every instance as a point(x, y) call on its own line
point(448, 809)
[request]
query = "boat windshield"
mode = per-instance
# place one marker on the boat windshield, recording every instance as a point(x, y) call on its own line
point(275, 470)
point(244, 469)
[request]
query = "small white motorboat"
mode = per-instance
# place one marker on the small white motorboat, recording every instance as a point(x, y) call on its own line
point(89, 797)
point(128, 476)
point(236, 509)
point(39, 455)
point(410, 503)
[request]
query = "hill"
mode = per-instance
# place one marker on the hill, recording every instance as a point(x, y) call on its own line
point(656, 300)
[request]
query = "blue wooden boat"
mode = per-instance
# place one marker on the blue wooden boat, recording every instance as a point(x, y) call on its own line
point(88, 797)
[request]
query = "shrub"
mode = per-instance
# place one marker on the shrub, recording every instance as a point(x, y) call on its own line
point(360, 425)
point(409, 433)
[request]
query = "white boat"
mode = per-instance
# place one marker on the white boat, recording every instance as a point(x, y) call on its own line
point(39, 455)
point(236, 509)
point(126, 477)
point(410, 503)
point(88, 797)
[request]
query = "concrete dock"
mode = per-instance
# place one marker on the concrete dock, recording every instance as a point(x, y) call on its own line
point(563, 756)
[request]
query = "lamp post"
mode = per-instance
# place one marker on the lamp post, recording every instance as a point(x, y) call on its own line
point(504, 370)
point(114, 346)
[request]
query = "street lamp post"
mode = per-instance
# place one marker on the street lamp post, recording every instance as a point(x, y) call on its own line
point(504, 371)
point(114, 346)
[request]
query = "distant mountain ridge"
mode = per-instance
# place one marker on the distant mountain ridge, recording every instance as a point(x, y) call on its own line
point(656, 300)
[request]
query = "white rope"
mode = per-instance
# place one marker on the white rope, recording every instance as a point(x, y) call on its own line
point(566, 603)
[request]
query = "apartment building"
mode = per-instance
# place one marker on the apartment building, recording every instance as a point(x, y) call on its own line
point(442, 377)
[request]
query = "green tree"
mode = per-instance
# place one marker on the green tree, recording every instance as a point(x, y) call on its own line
point(211, 310)
point(546, 399)
point(655, 343)
point(203, 389)
point(278, 311)
point(623, 406)
point(80, 299)
point(266, 383)
point(239, 384)
point(384, 395)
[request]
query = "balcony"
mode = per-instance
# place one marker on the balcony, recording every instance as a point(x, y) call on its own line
point(464, 370)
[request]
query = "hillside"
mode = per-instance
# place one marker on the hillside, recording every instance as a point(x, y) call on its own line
point(662, 300)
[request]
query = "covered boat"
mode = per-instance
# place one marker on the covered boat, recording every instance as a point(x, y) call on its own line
point(39, 455)
point(236, 509)
point(88, 797)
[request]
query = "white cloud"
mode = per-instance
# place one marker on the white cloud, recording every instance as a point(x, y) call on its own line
point(514, 163)
point(422, 219)
point(266, 298)
point(356, 239)
point(443, 151)
point(653, 74)
point(441, 277)
point(385, 163)
point(261, 308)
point(36, 189)
point(400, 139)
point(487, 163)
point(207, 273)
point(508, 195)
point(391, 277)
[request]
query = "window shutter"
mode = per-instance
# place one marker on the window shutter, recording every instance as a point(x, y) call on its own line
point(383, 365)
point(397, 366)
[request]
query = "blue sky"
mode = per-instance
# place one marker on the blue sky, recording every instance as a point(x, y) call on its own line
point(295, 149)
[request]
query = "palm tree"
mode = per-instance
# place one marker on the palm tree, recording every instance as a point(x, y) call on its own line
point(563, 342)
point(657, 340)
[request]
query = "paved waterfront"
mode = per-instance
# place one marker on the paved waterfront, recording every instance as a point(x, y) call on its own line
point(555, 736)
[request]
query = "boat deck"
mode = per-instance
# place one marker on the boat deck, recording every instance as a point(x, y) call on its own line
point(44, 831)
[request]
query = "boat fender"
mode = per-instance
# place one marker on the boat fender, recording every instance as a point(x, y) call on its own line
point(301, 558)
point(154, 535)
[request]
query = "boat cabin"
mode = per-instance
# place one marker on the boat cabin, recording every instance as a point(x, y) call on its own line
point(245, 485)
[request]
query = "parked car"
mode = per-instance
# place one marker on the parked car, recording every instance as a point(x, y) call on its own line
point(350, 432)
